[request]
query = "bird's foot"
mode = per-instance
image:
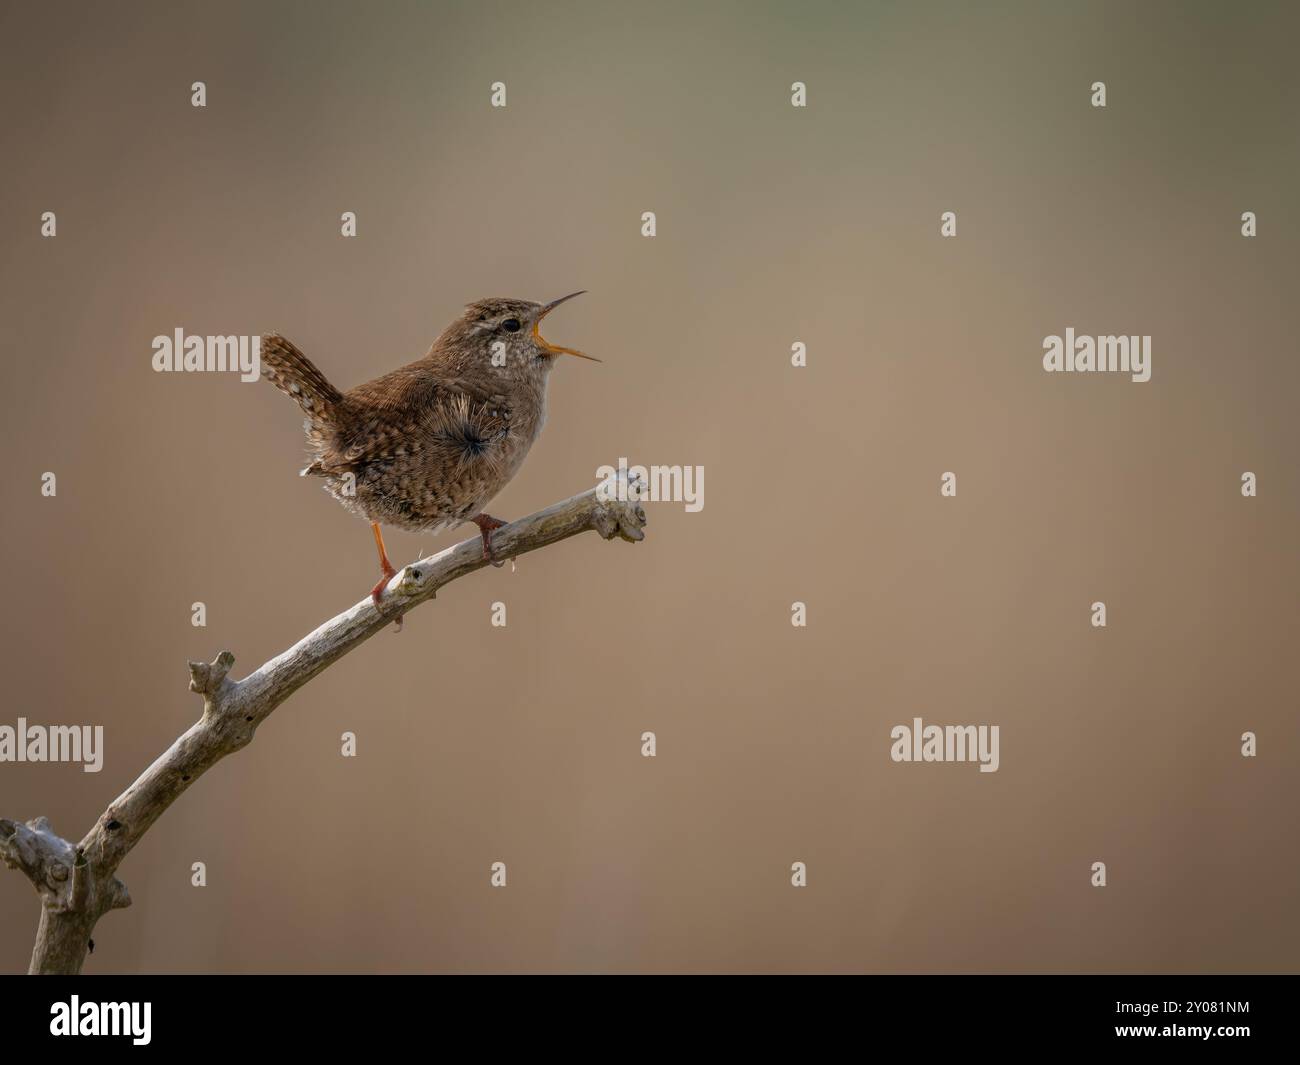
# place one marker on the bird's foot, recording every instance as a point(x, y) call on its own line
point(486, 526)
point(377, 592)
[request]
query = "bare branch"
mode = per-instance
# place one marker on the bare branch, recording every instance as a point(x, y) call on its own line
point(77, 883)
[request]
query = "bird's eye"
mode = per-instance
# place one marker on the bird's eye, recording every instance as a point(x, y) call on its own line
point(511, 325)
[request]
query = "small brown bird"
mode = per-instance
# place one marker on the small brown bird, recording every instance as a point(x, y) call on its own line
point(430, 444)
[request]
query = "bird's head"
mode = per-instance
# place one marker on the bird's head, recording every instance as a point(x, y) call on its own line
point(503, 337)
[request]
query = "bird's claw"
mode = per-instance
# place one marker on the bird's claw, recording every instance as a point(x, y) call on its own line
point(487, 525)
point(377, 593)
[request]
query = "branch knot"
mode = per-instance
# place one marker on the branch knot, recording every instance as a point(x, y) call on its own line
point(624, 520)
point(44, 857)
point(209, 678)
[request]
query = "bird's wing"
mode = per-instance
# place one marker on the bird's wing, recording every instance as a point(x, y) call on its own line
point(407, 389)
point(411, 408)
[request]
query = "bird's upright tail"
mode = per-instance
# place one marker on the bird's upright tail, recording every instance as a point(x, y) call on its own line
point(297, 377)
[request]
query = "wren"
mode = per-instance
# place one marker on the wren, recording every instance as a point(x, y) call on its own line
point(427, 446)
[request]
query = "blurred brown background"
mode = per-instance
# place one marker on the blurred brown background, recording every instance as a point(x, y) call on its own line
point(822, 225)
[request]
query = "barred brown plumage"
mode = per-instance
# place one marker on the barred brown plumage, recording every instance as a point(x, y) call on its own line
point(431, 443)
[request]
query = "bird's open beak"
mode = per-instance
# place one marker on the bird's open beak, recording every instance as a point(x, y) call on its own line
point(546, 345)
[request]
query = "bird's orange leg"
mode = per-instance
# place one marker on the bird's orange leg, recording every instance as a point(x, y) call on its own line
point(377, 592)
point(486, 526)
